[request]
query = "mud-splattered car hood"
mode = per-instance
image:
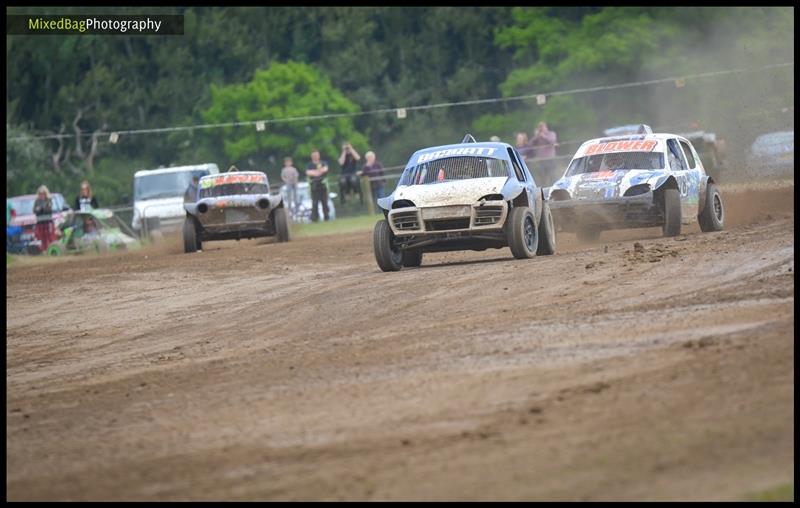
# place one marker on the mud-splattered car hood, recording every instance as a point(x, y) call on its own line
point(458, 192)
point(607, 184)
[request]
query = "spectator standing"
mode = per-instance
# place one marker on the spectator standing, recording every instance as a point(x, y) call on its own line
point(348, 181)
point(523, 146)
point(190, 196)
point(43, 208)
point(374, 170)
point(544, 144)
point(317, 174)
point(85, 200)
point(290, 177)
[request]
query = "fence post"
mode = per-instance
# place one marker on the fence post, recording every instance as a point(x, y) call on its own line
point(366, 190)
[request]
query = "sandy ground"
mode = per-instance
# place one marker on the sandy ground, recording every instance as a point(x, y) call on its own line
point(256, 370)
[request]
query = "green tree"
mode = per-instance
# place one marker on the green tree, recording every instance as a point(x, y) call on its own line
point(281, 91)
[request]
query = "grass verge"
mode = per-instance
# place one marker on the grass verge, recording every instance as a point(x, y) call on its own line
point(343, 225)
point(783, 492)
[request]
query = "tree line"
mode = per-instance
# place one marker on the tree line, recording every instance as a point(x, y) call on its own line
point(245, 64)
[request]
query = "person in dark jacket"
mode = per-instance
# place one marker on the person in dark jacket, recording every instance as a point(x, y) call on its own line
point(85, 200)
point(43, 208)
point(190, 196)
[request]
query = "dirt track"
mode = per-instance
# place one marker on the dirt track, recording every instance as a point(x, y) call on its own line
point(300, 371)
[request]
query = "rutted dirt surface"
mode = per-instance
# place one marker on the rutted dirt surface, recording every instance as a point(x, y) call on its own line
point(300, 371)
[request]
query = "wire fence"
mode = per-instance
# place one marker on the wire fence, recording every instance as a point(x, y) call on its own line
point(401, 110)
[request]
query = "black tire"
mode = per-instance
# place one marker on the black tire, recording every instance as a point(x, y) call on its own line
point(190, 241)
point(547, 232)
point(712, 217)
point(389, 259)
point(588, 234)
point(281, 224)
point(412, 258)
point(672, 213)
point(522, 233)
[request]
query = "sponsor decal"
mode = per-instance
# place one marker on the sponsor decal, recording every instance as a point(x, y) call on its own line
point(602, 175)
point(205, 183)
point(452, 152)
point(622, 146)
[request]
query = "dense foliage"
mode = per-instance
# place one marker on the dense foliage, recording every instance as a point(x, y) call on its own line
point(236, 64)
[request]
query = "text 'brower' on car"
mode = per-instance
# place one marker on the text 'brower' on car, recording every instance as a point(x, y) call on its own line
point(635, 181)
point(232, 206)
point(467, 196)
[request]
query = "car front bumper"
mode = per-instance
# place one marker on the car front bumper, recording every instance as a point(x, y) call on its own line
point(612, 213)
point(437, 220)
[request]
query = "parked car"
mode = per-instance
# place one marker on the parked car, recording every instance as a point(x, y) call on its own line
point(635, 181)
point(97, 230)
point(301, 213)
point(24, 217)
point(232, 206)
point(158, 197)
point(772, 155)
point(467, 196)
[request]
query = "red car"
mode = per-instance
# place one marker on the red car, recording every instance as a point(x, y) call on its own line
point(25, 218)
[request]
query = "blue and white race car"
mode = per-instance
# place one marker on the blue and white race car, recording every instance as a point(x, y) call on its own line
point(467, 196)
point(635, 181)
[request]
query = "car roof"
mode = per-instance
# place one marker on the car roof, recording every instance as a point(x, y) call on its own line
point(32, 196)
point(175, 169)
point(660, 138)
point(492, 149)
point(222, 175)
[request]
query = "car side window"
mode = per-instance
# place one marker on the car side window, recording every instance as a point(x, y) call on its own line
point(514, 162)
point(687, 151)
point(676, 162)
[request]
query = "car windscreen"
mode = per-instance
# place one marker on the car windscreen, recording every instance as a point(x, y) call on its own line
point(454, 168)
point(232, 189)
point(616, 161)
point(164, 185)
point(23, 206)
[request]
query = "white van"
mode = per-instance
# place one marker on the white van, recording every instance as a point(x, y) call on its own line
point(158, 196)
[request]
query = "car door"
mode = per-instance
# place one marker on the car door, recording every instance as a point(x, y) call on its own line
point(696, 176)
point(526, 179)
point(679, 167)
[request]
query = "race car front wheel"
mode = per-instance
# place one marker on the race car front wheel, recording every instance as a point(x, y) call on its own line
point(522, 233)
point(547, 232)
point(388, 256)
point(190, 241)
point(672, 213)
point(281, 224)
point(712, 217)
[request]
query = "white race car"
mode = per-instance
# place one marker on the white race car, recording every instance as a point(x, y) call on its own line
point(635, 181)
point(467, 196)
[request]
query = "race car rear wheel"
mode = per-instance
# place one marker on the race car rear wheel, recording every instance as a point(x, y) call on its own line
point(588, 234)
point(672, 213)
point(388, 256)
point(712, 217)
point(190, 240)
point(412, 258)
point(547, 232)
point(281, 224)
point(522, 233)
